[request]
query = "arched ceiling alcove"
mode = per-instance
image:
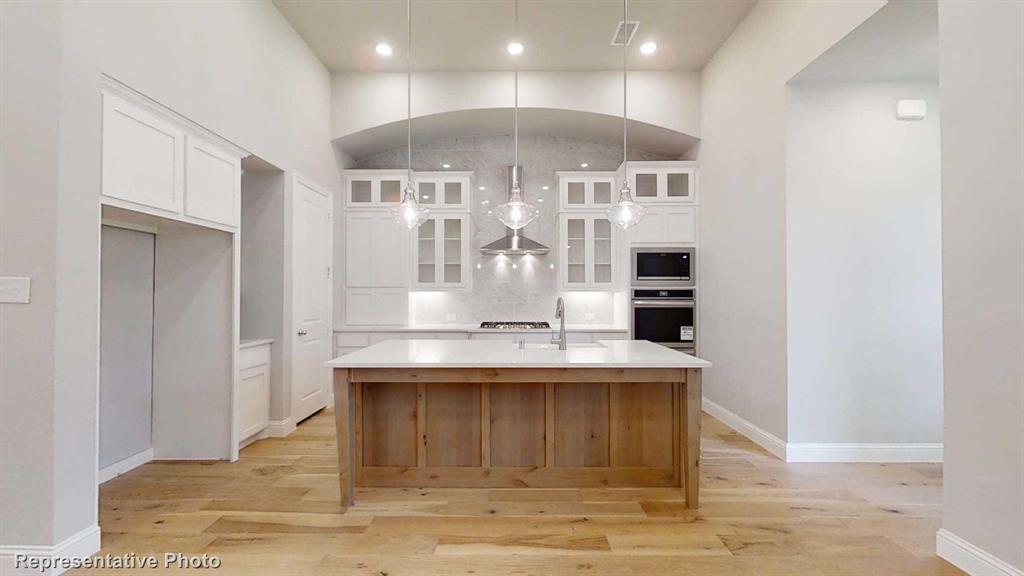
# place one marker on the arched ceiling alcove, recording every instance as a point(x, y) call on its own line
point(532, 122)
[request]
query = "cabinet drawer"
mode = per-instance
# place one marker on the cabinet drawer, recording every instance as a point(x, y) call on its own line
point(254, 356)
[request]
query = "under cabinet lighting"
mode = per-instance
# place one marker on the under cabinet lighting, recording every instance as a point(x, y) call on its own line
point(584, 165)
point(482, 188)
point(446, 165)
point(384, 49)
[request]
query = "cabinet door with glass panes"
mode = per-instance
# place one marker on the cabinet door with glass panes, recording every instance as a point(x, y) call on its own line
point(443, 190)
point(586, 190)
point(586, 251)
point(373, 188)
point(663, 181)
point(441, 253)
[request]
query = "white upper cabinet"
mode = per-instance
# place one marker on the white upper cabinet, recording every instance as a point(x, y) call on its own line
point(663, 181)
point(666, 225)
point(143, 156)
point(586, 190)
point(443, 190)
point(441, 252)
point(588, 253)
point(375, 247)
point(214, 182)
point(374, 188)
point(158, 162)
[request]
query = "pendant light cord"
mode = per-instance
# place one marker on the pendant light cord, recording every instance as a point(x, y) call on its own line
point(515, 110)
point(408, 88)
point(625, 54)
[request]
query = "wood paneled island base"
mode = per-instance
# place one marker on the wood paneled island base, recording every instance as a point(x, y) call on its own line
point(518, 427)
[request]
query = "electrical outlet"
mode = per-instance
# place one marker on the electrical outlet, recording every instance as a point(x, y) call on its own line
point(15, 290)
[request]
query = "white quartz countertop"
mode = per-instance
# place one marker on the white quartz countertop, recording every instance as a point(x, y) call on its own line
point(500, 354)
point(475, 328)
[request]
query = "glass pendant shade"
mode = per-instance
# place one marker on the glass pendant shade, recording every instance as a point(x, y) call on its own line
point(515, 213)
point(409, 213)
point(625, 213)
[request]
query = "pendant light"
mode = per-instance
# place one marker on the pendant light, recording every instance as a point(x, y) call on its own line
point(516, 213)
point(625, 212)
point(409, 212)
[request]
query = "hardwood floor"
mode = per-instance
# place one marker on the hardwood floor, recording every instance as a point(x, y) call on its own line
point(276, 511)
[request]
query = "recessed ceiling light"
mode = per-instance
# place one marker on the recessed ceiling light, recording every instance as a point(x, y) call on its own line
point(446, 165)
point(483, 188)
point(584, 164)
point(514, 266)
point(545, 187)
point(540, 199)
point(648, 47)
point(552, 266)
point(384, 49)
point(479, 266)
point(515, 48)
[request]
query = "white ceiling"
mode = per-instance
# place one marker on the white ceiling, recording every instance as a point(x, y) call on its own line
point(472, 34)
point(899, 42)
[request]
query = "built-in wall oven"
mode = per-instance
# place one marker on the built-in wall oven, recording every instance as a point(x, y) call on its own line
point(666, 316)
point(663, 267)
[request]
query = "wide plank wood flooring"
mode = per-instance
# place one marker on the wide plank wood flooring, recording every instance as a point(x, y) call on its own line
point(276, 511)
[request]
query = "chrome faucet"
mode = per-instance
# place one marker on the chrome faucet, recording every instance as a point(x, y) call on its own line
point(560, 314)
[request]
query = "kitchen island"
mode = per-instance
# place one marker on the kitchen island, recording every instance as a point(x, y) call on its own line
point(491, 414)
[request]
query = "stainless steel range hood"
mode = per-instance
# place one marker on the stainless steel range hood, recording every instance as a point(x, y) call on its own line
point(514, 243)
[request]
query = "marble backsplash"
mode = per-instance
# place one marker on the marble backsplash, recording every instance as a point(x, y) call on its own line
point(512, 287)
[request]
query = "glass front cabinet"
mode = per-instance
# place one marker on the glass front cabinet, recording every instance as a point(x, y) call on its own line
point(586, 190)
point(664, 181)
point(441, 252)
point(586, 253)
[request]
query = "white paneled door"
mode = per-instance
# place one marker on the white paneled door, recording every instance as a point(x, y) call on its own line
point(311, 298)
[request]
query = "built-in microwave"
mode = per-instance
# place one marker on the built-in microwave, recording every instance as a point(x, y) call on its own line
point(674, 267)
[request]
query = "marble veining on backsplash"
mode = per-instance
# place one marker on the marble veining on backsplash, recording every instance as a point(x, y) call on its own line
point(519, 287)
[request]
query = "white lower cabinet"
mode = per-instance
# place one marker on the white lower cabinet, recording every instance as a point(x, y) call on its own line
point(253, 390)
point(667, 225)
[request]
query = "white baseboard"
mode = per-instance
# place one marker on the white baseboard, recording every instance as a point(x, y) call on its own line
point(970, 558)
point(83, 544)
point(129, 463)
point(756, 434)
point(862, 452)
point(823, 452)
point(279, 428)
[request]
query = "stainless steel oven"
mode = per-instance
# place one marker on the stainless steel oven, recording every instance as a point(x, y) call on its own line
point(666, 316)
point(663, 267)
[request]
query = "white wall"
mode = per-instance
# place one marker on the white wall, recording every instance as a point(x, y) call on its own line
point(263, 278)
point(126, 344)
point(29, 101)
point(863, 264)
point(982, 91)
point(743, 220)
point(239, 69)
point(364, 100)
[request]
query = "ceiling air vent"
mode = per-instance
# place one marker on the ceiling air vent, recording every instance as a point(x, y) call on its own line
point(624, 32)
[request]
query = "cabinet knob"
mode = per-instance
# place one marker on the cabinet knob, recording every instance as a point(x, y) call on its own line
point(302, 332)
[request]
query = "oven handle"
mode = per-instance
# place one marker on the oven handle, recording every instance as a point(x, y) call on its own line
point(663, 304)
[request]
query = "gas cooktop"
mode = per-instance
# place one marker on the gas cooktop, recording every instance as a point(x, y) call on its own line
point(515, 325)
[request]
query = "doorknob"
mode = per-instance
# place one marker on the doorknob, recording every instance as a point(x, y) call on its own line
point(302, 332)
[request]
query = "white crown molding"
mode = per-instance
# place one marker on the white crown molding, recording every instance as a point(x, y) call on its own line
point(970, 558)
point(82, 544)
point(756, 434)
point(825, 452)
point(129, 463)
point(863, 452)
